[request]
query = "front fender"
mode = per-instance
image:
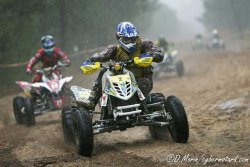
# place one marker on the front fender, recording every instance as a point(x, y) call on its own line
point(64, 80)
point(41, 85)
point(80, 94)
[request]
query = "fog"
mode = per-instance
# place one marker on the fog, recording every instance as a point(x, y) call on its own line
point(187, 12)
point(91, 24)
point(181, 23)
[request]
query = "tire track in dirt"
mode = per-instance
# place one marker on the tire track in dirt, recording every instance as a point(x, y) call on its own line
point(108, 158)
point(11, 137)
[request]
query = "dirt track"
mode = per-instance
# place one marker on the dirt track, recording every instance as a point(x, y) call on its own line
point(211, 79)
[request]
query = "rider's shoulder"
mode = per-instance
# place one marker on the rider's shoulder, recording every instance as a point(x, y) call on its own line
point(146, 42)
point(40, 50)
point(107, 51)
point(112, 47)
point(57, 50)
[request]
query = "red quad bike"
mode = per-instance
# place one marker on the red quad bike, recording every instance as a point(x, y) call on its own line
point(50, 95)
point(123, 106)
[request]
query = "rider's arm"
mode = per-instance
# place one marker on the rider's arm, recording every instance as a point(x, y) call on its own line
point(63, 56)
point(34, 60)
point(148, 46)
point(104, 55)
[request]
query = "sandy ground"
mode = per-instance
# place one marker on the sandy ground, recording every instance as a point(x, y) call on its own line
point(219, 125)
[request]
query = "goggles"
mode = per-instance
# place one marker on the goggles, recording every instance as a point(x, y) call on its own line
point(128, 40)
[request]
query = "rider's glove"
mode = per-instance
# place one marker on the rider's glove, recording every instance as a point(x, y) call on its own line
point(89, 67)
point(28, 71)
point(145, 60)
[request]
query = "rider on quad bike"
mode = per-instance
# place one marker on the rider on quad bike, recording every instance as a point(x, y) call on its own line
point(163, 43)
point(49, 55)
point(217, 41)
point(130, 47)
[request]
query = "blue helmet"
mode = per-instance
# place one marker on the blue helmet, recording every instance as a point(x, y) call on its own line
point(48, 44)
point(127, 35)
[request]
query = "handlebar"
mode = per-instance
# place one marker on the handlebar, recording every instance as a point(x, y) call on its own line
point(60, 64)
point(46, 69)
point(89, 66)
point(117, 66)
point(113, 63)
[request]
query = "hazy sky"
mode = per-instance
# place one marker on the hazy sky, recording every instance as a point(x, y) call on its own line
point(188, 11)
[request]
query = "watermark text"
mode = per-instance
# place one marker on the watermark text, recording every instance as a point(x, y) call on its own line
point(205, 159)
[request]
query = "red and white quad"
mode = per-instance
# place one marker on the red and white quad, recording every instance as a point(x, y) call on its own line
point(51, 94)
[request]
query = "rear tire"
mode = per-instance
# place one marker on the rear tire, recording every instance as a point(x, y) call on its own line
point(179, 128)
point(180, 68)
point(83, 132)
point(29, 112)
point(18, 105)
point(67, 124)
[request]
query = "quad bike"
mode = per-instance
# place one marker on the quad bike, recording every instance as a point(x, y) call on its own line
point(123, 106)
point(50, 95)
point(169, 64)
point(218, 43)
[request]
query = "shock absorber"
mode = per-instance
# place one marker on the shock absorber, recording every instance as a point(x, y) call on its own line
point(103, 111)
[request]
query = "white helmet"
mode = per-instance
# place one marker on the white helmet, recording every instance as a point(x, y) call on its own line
point(215, 31)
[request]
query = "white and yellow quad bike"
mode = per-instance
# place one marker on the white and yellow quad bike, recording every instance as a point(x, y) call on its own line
point(169, 64)
point(123, 106)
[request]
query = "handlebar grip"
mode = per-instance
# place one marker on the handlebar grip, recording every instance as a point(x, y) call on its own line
point(39, 71)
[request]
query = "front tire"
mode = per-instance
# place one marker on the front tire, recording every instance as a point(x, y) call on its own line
point(29, 112)
point(18, 105)
point(83, 132)
point(178, 128)
point(67, 124)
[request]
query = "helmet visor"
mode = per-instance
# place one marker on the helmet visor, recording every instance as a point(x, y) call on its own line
point(48, 44)
point(128, 40)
